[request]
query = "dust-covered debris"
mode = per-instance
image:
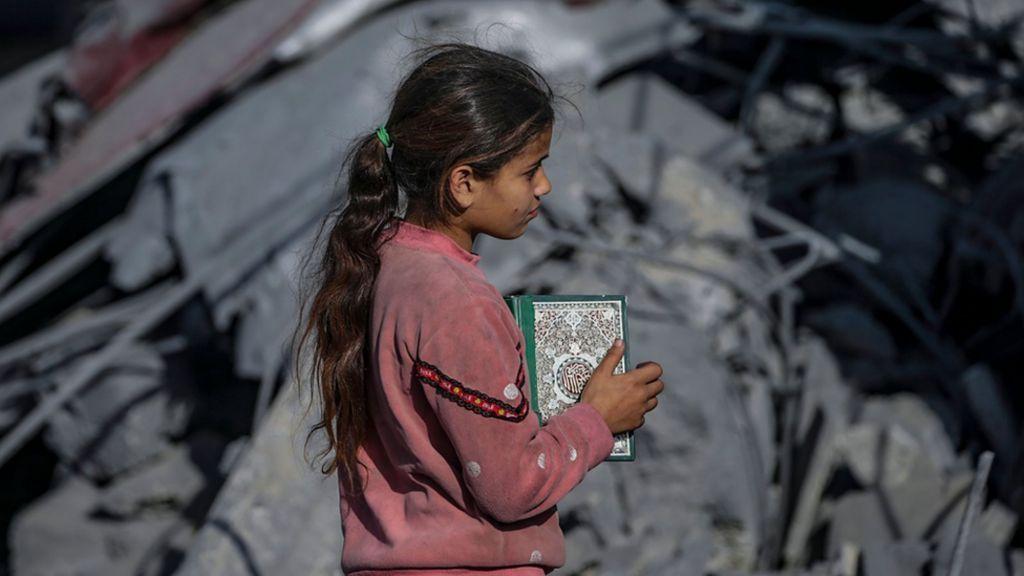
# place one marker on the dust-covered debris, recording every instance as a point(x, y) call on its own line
point(814, 211)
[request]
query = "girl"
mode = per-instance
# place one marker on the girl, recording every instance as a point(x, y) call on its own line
point(419, 364)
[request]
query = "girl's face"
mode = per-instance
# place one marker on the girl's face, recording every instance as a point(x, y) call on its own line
point(503, 206)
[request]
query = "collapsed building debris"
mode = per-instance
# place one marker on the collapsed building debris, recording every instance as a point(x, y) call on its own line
point(813, 210)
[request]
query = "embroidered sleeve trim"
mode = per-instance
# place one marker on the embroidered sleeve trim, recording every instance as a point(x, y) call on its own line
point(473, 400)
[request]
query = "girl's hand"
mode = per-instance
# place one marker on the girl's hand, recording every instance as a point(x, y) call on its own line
point(623, 399)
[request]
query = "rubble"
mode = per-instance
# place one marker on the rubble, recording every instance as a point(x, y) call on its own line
point(801, 115)
point(153, 107)
point(645, 103)
point(127, 418)
point(274, 515)
point(58, 534)
point(813, 210)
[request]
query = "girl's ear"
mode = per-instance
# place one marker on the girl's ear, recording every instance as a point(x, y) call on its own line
point(464, 186)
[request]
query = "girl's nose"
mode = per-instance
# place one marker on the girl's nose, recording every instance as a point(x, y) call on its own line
point(545, 184)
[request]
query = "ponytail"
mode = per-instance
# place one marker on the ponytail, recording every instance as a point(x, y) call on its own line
point(340, 311)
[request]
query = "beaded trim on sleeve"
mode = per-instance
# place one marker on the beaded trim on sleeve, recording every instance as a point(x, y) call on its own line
point(470, 399)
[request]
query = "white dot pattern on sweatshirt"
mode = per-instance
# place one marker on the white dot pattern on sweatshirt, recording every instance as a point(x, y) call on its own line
point(535, 556)
point(473, 468)
point(511, 391)
point(572, 454)
point(540, 460)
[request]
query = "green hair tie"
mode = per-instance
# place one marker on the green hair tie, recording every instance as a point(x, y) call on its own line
point(382, 135)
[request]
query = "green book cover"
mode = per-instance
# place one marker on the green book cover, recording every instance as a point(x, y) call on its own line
point(566, 337)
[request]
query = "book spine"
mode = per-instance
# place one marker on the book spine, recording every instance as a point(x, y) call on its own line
point(521, 305)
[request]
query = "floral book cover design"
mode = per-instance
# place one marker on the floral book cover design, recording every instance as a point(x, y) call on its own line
point(566, 337)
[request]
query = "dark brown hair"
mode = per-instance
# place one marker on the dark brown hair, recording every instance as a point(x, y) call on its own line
point(461, 104)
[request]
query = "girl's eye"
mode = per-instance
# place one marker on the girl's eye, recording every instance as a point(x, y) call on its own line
point(533, 172)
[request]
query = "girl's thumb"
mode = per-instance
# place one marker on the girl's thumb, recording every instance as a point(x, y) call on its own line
point(612, 357)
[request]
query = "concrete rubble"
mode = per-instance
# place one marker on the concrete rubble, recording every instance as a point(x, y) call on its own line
point(814, 212)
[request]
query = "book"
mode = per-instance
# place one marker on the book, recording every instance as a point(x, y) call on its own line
point(566, 337)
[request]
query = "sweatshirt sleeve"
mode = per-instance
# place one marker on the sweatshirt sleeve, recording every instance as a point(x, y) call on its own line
point(472, 369)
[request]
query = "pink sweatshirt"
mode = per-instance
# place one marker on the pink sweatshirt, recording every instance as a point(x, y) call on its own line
point(460, 476)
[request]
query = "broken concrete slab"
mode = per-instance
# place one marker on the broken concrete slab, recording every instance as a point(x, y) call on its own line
point(706, 217)
point(49, 535)
point(141, 250)
point(999, 523)
point(171, 482)
point(635, 159)
point(859, 518)
point(273, 506)
point(891, 461)
point(266, 311)
point(645, 103)
point(802, 115)
point(124, 419)
point(329, 21)
point(878, 456)
point(914, 415)
point(863, 108)
point(58, 535)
